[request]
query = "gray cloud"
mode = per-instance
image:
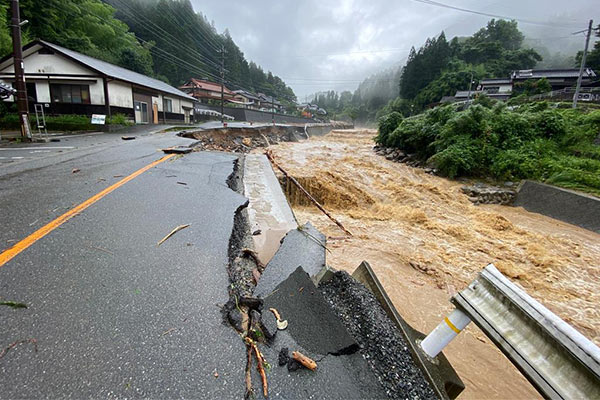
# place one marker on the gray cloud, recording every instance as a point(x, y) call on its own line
point(321, 44)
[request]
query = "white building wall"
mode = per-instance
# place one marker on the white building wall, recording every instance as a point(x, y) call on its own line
point(50, 63)
point(120, 94)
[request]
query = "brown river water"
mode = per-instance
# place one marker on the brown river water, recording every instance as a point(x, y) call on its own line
point(426, 241)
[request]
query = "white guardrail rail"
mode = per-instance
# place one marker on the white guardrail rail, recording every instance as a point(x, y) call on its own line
point(558, 361)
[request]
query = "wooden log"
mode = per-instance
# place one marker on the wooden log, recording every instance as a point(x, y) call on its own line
point(306, 361)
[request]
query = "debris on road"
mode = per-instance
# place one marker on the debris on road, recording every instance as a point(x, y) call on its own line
point(307, 362)
point(283, 357)
point(13, 304)
point(182, 183)
point(168, 331)
point(103, 250)
point(128, 137)
point(282, 325)
point(177, 150)
point(174, 231)
point(75, 170)
point(256, 232)
point(16, 343)
point(260, 364)
point(117, 176)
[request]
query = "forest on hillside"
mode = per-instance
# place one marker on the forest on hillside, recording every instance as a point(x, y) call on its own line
point(165, 39)
point(441, 67)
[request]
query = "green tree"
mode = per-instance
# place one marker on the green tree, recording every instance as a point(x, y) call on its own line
point(593, 57)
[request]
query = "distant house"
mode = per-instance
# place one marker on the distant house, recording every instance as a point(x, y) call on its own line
point(268, 103)
point(558, 78)
point(246, 99)
point(203, 90)
point(67, 82)
point(496, 86)
point(502, 88)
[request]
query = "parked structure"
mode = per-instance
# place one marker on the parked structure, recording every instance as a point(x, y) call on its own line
point(64, 81)
point(204, 91)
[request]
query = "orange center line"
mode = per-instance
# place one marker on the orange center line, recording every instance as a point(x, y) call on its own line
point(9, 254)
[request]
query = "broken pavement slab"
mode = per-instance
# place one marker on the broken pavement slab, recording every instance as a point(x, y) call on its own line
point(304, 246)
point(311, 321)
point(177, 150)
point(314, 330)
point(269, 213)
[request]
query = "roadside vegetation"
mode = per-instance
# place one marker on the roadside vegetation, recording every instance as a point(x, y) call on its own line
point(63, 123)
point(532, 141)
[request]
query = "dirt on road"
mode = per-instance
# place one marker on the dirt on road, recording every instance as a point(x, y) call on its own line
point(426, 241)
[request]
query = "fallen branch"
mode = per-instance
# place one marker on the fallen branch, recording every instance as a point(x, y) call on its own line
point(261, 371)
point(310, 197)
point(15, 344)
point(13, 304)
point(260, 361)
point(174, 231)
point(249, 390)
point(306, 361)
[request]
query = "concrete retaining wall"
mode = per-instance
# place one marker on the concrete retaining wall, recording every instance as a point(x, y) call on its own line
point(563, 204)
point(242, 114)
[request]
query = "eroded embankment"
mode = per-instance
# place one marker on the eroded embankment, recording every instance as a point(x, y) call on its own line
point(426, 240)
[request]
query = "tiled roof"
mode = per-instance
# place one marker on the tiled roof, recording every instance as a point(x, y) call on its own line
point(115, 71)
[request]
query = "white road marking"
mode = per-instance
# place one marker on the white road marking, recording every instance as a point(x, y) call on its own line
point(36, 148)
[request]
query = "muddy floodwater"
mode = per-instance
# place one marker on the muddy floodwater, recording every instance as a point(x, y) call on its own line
point(426, 241)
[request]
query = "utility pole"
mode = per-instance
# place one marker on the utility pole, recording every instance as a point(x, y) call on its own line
point(580, 77)
point(22, 105)
point(222, 83)
point(469, 95)
point(273, 109)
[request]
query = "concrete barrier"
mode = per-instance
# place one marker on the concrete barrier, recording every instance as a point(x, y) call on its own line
point(566, 205)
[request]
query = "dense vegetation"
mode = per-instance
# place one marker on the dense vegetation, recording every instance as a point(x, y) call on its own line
point(138, 36)
point(554, 145)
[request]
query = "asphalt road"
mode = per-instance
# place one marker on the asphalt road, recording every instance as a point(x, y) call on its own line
point(113, 314)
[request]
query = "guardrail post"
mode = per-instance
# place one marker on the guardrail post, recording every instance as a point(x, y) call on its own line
point(443, 334)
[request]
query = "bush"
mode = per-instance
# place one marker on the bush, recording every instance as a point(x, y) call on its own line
point(533, 141)
point(119, 119)
point(387, 124)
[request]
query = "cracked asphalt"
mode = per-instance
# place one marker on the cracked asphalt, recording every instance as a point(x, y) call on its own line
point(113, 314)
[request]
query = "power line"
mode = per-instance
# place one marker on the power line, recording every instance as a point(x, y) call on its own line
point(130, 12)
point(525, 21)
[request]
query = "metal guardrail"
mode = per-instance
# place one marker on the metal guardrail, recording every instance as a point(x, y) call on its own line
point(443, 378)
point(559, 361)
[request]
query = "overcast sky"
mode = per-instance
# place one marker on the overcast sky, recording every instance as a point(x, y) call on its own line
point(318, 45)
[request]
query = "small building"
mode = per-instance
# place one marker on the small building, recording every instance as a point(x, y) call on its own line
point(494, 86)
point(67, 82)
point(203, 90)
point(246, 99)
point(268, 103)
point(557, 78)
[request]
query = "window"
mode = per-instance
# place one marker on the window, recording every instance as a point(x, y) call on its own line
point(168, 105)
point(77, 94)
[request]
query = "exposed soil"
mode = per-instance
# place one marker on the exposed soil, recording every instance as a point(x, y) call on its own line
point(426, 240)
point(243, 140)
